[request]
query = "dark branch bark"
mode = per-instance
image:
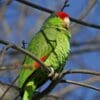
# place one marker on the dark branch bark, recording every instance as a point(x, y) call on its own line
point(81, 71)
point(51, 11)
point(46, 69)
point(80, 84)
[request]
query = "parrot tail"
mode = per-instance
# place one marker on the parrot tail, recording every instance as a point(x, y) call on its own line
point(29, 89)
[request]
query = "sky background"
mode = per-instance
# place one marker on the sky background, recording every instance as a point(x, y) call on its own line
point(21, 22)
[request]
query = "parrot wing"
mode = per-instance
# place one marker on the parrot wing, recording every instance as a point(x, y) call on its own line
point(41, 49)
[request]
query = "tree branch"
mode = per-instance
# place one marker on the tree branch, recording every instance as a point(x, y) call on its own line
point(51, 11)
point(71, 87)
point(45, 68)
point(82, 71)
point(93, 42)
point(65, 5)
point(28, 3)
point(10, 66)
point(61, 75)
point(89, 46)
point(80, 84)
point(2, 96)
point(86, 49)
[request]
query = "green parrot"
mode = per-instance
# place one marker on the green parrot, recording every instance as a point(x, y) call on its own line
point(52, 46)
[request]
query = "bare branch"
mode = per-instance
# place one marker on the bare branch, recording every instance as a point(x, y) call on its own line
point(93, 42)
point(50, 11)
point(72, 87)
point(86, 49)
point(60, 76)
point(65, 5)
point(85, 23)
point(8, 88)
point(28, 3)
point(88, 7)
point(82, 71)
point(80, 84)
point(10, 66)
point(11, 94)
point(46, 69)
point(3, 53)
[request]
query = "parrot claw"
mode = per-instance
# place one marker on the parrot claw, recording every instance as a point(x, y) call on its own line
point(52, 75)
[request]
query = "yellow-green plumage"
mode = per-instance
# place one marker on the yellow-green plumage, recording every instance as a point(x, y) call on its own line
point(56, 49)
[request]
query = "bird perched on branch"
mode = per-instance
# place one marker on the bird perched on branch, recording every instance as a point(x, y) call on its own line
point(52, 46)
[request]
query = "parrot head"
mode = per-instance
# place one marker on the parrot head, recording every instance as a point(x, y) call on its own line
point(65, 17)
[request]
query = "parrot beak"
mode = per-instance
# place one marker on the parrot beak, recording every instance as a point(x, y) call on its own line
point(66, 22)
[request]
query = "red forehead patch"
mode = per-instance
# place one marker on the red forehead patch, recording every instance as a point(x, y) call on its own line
point(62, 15)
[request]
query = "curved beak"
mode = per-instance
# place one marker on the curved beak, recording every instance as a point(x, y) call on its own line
point(66, 22)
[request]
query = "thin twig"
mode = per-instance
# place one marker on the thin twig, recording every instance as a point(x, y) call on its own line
point(58, 80)
point(3, 53)
point(24, 44)
point(45, 68)
point(72, 87)
point(4, 68)
point(1, 98)
point(28, 3)
point(65, 5)
point(93, 42)
point(6, 84)
point(82, 71)
point(10, 66)
point(80, 84)
point(85, 23)
point(86, 49)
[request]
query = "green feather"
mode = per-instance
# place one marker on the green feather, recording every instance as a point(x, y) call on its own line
point(51, 41)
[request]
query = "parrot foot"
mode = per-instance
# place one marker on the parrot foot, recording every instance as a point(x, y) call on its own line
point(51, 72)
point(53, 75)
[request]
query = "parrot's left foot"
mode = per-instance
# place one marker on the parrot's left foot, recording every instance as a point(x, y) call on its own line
point(51, 72)
point(53, 75)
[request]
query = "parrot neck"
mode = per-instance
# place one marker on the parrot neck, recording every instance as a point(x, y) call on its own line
point(58, 28)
